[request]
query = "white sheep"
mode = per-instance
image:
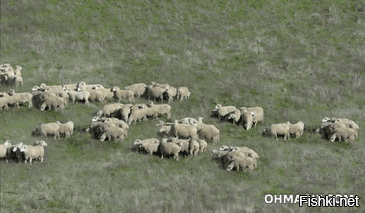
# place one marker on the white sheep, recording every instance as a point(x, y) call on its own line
point(48, 129)
point(184, 130)
point(169, 148)
point(247, 119)
point(89, 87)
point(160, 109)
point(343, 134)
point(36, 151)
point(122, 113)
point(223, 111)
point(54, 102)
point(15, 81)
point(54, 87)
point(149, 145)
point(202, 145)
point(4, 150)
point(95, 95)
point(4, 103)
point(154, 93)
point(79, 96)
point(137, 114)
point(164, 127)
point(184, 145)
point(23, 98)
point(235, 116)
point(113, 134)
point(242, 163)
point(207, 131)
point(137, 89)
point(18, 70)
point(296, 129)
point(189, 120)
point(258, 114)
point(66, 128)
point(108, 109)
point(119, 94)
point(277, 129)
point(183, 92)
point(170, 93)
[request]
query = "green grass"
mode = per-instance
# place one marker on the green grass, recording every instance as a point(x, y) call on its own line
point(298, 60)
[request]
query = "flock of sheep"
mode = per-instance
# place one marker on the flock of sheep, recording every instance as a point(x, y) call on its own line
point(187, 136)
point(9, 76)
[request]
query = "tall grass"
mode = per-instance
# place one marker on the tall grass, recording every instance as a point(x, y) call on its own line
point(299, 60)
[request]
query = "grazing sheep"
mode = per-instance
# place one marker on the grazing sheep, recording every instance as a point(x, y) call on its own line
point(242, 163)
point(47, 129)
point(53, 102)
point(31, 152)
point(83, 86)
point(22, 98)
point(117, 122)
point(343, 134)
point(108, 109)
point(113, 134)
point(137, 114)
point(154, 93)
point(122, 113)
point(258, 114)
point(296, 129)
point(169, 148)
point(95, 95)
point(277, 129)
point(193, 147)
point(235, 116)
point(223, 111)
point(69, 87)
point(119, 94)
point(66, 128)
point(160, 109)
point(170, 93)
point(165, 127)
point(183, 92)
point(54, 87)
point(202, 145)
point(149, 145)
point(247, 119)
point(184, 145)
point(184, 130)
point(207, 131)
point(189, 120)
point(4, 103)
point(79, 96)
point(15, 81)
point(18, 70)
point(137, 89)
point(4, 150)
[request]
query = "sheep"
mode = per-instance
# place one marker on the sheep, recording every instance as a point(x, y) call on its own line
point(69, 87)
point(4, 150)
point(235, 116)
point(202, 145)
point(189, 120)
point(169, 148)
point(242, 163)
point(79, 96)
point(183, 92)
point(207, 131)
point(154, 93)
point(107, 92)
point(170, 93)
point(66, 128)
point(184, 145)
point(89, 87)
point(277, 129)
point(343, 134)
point(117, 122)
point(53, 102)
point(258, 114)
point(193, 147)
point(161, 109)
point(25, 97)
point(15, 81)
point(296, 129)
point(36, 151)
point(108, 109)
point(137, 115)
point(12, 100)
point(95, 95)
point(223, 111)
point(137, 89)
point(18, 70)
point(54, 87)
point(114, 134)
point(248, 152)
point(183, 130)
point(122, 113)
point(165, 127)
point(119, 94)
point(4, 103)
point(47, 129)
point(40, 96)
point(15, 154)
point(349, 123)
point(247, 119)
point(149, 145)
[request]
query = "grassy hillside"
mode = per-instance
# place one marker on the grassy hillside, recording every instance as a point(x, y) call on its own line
point(299, 60)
